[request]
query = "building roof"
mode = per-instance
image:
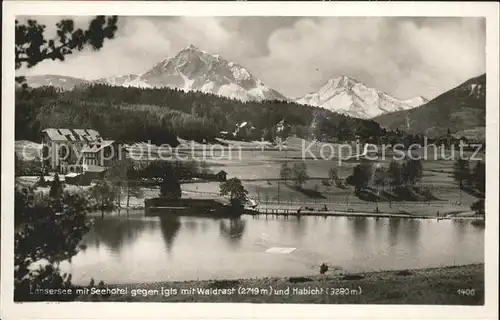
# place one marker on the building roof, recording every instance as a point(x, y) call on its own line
point(81, 135)
point(72, 175)
point(95, 169)
point(96, 146)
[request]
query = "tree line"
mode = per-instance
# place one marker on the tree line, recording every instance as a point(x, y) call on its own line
point(162, 115)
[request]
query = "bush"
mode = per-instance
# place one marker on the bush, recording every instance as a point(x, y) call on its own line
point(478, 207)
point(29, 168)
point(326, 182)
point(323, 268)
point(340, 184)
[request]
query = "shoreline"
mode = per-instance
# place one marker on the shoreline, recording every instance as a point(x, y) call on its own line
point(458, 285)
point(450, 216)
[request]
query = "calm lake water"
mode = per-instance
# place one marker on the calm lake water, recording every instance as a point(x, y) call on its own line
point(134, 249)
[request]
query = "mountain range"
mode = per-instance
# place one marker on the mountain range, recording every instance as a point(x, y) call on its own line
point(351, 97)
point(192, 69)
point(459, 110)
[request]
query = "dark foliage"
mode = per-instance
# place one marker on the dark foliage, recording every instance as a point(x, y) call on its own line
point(56, 187)
point(170, 187)
point(235, 190)
point(361, 176)
point(478, 206)
point(479, 177)
point(47, 229)
point(160, 115)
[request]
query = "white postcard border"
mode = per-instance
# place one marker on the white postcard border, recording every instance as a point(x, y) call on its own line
point(242, 310)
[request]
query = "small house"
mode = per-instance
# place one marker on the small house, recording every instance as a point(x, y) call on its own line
point(221, 175)
point(244, 130)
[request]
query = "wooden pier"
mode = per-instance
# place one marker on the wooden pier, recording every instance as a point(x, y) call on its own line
point(287, 212)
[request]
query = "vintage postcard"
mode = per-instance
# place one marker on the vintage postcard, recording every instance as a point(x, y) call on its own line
point(232, 160)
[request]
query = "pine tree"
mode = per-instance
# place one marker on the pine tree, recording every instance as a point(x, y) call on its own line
point(479, 177)
point(56, 189)
point(170, 187)
point(234, 188)
point(285, 172)
point(41, 180)
point(461, 172)
point(395, 174)
point(299, 173)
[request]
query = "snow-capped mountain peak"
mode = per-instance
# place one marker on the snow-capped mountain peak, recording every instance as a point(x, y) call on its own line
point(353, 98)
point(193, 69)
point(416, 101)
point(121, 80)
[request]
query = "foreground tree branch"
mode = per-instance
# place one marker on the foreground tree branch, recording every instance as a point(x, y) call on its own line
point(32, 47)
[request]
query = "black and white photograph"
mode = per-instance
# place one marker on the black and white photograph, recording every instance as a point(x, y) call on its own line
point(263, 159)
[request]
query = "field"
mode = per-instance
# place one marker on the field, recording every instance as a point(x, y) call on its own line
point(258, 166)
point(259, 172)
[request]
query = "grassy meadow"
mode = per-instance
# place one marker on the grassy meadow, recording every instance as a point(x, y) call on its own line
point(258, 166)
point(458, 285)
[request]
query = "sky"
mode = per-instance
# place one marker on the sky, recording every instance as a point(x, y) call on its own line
point(402, 56)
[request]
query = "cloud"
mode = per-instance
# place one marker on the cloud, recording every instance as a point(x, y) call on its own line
point(402, 57)
point(136, 44)
point(295, 55)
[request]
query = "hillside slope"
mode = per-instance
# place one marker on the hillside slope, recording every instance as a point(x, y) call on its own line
point(57, 81)
point(462, 108)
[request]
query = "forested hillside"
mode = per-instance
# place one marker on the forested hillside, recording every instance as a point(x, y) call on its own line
point(462, 108)
point(161, 115)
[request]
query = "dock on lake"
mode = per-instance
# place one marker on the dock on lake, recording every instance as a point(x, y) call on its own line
point(300, 211)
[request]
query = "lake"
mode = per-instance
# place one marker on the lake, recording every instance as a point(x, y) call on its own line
point(131, 249)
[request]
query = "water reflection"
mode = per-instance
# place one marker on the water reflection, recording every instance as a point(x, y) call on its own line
point(394, 224)
point(359, 228)
point(169, 227)
point(140, 247)
point(116, 233)
point(412, 232)
point(379, 226)
point(479, 224)
point(300, 227)
point(296, 226)
point(191, 225)
point(460, 229)
point(232, 230)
